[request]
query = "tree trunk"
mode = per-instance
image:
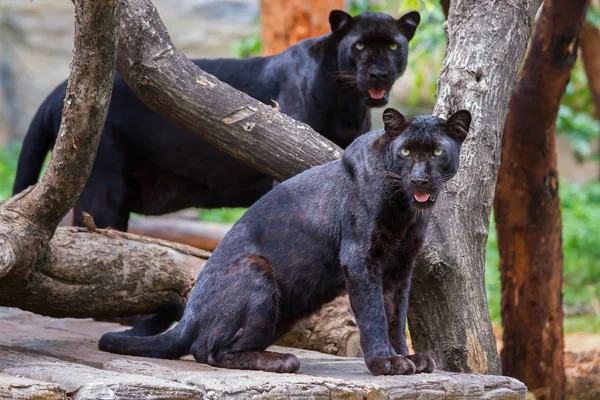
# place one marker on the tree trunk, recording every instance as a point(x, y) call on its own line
point(286, 22)
point(448, 314)
point(170, 84)
point(28, 220)
point(527, 206)
point(590, 54)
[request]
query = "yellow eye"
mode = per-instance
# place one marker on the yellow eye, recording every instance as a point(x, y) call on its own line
point(393, 46)
point(438, 152)
point(404, 152)
point(359, 46)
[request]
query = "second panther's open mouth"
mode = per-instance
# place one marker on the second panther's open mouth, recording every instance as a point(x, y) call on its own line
point(375, 97)
point(377, 94)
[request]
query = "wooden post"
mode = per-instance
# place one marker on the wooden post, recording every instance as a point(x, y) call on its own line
point(285, 22)
point(527, 206)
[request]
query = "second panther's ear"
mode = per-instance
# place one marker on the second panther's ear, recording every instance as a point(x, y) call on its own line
point(408, 24)
point(338, 19)
point(394, 122)
point(458, 125)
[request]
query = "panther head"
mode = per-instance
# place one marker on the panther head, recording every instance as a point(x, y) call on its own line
point(372, 50)
point(425, 152)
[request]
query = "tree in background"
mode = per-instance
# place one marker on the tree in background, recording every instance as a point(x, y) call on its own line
point(527, 206)
point(286, 22)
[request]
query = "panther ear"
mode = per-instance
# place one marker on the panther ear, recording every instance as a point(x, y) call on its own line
point(458, 125)
point(408, 24)
point(338, 19)
point(394, 123)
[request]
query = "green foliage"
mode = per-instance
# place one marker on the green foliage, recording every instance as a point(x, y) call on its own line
point(576, 118)
point(8, 168)
point(224, 215)
point(427, 50)
point(581, 128)
point(249, 46)
point(581, 230)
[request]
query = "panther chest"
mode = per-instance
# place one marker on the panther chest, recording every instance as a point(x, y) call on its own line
point(395, 247)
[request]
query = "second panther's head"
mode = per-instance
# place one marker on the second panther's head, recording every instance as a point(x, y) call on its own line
point(372, 51)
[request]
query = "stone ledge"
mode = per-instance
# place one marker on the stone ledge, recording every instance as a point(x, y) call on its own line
point(55, 358)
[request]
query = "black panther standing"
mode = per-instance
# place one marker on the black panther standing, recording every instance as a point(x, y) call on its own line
point(354, 224)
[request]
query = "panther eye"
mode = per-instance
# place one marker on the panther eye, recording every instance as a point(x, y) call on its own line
point(404, 151)
point(359, 46)
point(438, 152)
point(393, 46)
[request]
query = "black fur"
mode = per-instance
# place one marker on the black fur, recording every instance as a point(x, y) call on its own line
point(149, 165)
point(350, 225)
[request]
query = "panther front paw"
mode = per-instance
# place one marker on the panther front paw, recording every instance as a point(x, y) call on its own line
point(397, 365)
point(423, 362)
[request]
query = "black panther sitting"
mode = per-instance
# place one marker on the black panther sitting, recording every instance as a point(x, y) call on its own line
point(149, 165)
point(354, 224)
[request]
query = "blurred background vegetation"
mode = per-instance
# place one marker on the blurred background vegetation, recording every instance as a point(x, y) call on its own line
point(576, 122)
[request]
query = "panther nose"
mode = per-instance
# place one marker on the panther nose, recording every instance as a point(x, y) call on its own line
point(419, 181)
point(377, 75)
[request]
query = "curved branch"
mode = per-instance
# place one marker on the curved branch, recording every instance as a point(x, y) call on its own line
point(86, 103)
point(171, 85)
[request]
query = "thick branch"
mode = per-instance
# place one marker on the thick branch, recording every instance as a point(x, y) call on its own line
point(527, 206)
point(170, 84)
point(106, 274)
point(448, 314)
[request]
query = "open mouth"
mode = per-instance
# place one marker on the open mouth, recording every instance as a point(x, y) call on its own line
point(421, 197)
point(377, 94)
point(376, 97)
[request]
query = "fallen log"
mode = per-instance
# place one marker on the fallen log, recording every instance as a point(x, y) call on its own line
point(202, 235)
point(332, 330)
point(107, 274)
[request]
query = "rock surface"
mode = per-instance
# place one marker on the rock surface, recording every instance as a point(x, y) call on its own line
point(47, 358)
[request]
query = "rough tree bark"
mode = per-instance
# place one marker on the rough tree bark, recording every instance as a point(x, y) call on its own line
point(590, 54)
point(448, 314)
point(527, 206)
point(161, 76)
point(286, 22)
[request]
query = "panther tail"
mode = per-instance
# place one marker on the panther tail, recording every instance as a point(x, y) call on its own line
point(169, 345)
point(149, 325)
point(38, 141)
